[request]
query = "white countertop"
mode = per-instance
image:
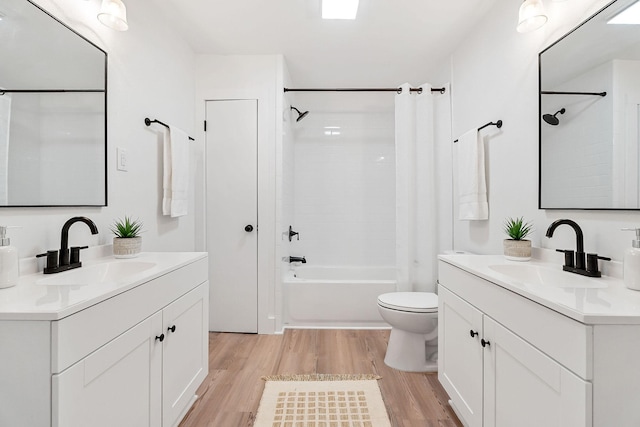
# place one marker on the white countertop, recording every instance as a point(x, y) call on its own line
point(613, 304)
point(32, 301)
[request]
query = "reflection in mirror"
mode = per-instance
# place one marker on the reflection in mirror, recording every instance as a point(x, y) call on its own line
point(590, 116)
point(52, 112)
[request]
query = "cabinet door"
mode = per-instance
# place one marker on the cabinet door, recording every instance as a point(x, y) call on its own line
point(117, 385)
point(524, 387)
point(460, 355)
point(185, 355)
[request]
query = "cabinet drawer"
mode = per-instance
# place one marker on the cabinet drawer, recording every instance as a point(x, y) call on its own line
point(561, 338)
point(76, 336)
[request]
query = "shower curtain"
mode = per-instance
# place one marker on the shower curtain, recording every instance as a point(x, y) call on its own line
point(416, 233)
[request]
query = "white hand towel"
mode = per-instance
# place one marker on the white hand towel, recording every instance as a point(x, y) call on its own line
point(176, 173)
point(472, 185)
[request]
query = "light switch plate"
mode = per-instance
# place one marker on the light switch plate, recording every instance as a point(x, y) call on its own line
point(122, 161)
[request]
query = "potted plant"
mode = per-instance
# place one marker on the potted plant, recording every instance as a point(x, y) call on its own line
point(127, 243)
point(517, 248)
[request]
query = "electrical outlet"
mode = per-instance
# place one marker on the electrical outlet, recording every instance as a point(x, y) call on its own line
point(123, 164)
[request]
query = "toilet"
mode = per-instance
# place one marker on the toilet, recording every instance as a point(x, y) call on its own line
point(413, 343)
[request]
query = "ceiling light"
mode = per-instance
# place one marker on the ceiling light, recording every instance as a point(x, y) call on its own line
point(339, 9)
point(113, 14)
point(531, 16)
point(630, 15)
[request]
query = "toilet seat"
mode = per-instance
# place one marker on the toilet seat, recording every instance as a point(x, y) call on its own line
point(411, 302)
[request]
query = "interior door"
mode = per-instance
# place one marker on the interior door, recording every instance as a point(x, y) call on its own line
point(232, 214)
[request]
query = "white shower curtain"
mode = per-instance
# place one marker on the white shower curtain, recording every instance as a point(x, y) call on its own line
point(416, 233)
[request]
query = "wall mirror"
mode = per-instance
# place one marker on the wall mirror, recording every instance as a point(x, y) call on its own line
point(53, 92)
point(590, 114)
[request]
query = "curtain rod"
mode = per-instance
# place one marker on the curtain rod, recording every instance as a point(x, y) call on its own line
point(397, 90)
point(148, 121)
point(550, 92)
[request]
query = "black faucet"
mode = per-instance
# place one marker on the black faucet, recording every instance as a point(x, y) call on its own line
point(577, 264)
point(297, 259)
point(62, 262)
point(64, 238)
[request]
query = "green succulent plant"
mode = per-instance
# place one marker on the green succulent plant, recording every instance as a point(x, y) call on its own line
point(127, 228)
point(516, 228)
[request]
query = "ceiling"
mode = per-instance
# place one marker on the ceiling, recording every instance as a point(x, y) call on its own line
point(391, 41)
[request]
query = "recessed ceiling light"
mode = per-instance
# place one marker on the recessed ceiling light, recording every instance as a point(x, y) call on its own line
point(339, 9)
point(630, 15)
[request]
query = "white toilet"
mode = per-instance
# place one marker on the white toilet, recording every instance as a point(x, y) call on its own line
point(413, 316)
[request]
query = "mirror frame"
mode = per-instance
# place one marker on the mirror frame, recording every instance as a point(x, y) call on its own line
point(105, 91)
point(540, 121)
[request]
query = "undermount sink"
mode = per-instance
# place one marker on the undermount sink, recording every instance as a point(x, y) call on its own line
point(115, 271)
point(541, 276)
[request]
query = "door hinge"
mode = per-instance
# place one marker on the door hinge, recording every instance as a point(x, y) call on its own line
point(205, 125)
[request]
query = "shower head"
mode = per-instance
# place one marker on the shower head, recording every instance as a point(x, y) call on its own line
point(552, 119)
point(300, 115)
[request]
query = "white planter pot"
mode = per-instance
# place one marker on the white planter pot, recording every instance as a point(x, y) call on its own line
point(517, 250)
point(127, 247)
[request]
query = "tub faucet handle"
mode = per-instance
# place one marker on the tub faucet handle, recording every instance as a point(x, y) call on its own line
point(293, 233)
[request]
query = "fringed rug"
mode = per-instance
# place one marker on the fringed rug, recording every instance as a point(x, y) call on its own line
point(322, 400)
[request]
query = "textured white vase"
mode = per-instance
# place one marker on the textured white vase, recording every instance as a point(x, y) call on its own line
point(517, 250)
point(127, 247)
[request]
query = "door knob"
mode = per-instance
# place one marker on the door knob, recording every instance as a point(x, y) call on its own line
point(248, 228)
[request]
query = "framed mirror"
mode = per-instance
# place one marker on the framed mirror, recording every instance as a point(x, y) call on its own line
point(589, 114)
point(53, 104)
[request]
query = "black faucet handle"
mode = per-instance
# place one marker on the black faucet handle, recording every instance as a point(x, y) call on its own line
point(52, 259)
point(569, 258)
point(75, 254)
point(592, 263)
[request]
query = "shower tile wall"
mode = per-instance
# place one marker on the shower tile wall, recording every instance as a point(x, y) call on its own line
point(344, 188)
point(590, 173)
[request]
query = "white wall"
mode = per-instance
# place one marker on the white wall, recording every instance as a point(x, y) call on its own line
point(494, 76)
point(344, 193)
point(249, 77)
point(586, 180)
point(150, 74)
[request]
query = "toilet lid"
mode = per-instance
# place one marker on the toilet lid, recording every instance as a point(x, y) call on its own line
point(416, 302)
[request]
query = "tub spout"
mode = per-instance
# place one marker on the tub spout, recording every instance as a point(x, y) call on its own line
point(297, 259)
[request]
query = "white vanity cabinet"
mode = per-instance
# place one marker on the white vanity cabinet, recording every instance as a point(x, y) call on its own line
point(506, 360)
point(134, 359)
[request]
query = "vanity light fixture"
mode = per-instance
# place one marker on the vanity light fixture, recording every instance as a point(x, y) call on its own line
point(113, 14)
point(339, 9)
point(531, 16)
point(630, 15)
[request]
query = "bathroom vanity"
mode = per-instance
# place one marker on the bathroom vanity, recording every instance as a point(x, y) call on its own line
point(114, 343)
point(526, 344)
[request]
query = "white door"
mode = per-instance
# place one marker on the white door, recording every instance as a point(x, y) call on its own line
point(117, 385)
point(460, 355)
point(185, 352)
point(524, 387)
point(232, 214)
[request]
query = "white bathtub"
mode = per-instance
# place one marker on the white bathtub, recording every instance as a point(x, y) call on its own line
point(335, 297)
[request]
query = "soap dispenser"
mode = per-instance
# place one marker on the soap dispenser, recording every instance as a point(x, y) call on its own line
point(9, 264)
point(631, 266)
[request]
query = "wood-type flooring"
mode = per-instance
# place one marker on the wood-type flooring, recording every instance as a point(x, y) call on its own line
point(230, 395)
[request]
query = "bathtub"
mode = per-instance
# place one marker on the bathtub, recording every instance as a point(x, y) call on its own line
point(335, 297)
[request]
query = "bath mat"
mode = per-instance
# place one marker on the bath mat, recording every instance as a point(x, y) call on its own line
point(322, 400)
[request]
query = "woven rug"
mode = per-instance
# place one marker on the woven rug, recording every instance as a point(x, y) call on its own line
point(322, 401)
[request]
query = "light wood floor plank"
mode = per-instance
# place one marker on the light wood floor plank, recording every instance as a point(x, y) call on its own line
point(230, 395)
